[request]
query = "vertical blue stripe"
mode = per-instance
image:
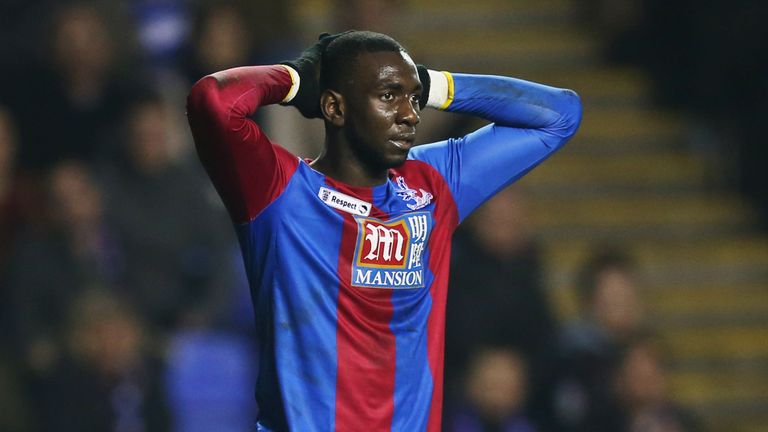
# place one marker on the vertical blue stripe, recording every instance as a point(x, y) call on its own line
point(305, 303)
point(413, 378)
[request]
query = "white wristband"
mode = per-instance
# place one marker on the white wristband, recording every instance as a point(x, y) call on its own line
point(440, 89)
point(295, 83)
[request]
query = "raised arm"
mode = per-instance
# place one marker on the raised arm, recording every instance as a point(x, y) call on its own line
point(530, 122)
point(247, 169)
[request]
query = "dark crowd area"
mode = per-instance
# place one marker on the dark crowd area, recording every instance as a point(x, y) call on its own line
point(124, 306)
point(707, 58)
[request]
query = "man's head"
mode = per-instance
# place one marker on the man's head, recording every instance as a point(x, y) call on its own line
point(104, 333)
point(370, 98)
point(150, 133)
point(342, 51)
point(76, 196)
point(608, 292)
point(82, 41)
point(497, 382)
point(222, 37)
point(501, 224)
point(640, 378)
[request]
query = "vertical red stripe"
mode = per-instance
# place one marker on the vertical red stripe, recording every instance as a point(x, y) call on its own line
point(445, 222)
point(365, 345)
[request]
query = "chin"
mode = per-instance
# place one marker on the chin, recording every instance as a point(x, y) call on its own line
point(397, 160)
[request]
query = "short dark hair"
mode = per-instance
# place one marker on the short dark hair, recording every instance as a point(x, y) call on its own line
point(341, 53)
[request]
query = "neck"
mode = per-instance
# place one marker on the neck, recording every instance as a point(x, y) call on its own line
point(339, 162)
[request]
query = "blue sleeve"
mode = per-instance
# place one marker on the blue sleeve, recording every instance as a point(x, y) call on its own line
point(530, 122)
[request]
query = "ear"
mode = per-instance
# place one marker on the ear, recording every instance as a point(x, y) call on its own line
point(333, 107)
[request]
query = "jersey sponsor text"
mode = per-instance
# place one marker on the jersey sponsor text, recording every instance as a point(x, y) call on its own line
point(389, 253)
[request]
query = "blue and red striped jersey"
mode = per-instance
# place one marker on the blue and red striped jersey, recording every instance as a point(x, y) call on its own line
point(349, 283)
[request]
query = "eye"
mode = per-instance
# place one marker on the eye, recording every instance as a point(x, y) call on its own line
point(415, 98)
point(388, 97)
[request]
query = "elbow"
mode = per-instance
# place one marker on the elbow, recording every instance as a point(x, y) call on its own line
point(571, 112)
point(203, 97)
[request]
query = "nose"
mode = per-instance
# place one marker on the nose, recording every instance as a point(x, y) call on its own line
point(408, 113)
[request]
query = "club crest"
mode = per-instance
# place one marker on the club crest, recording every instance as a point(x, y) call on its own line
point(420, 199)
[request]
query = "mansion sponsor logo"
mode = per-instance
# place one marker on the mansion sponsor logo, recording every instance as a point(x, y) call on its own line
point(389, 254)
point(397, 279)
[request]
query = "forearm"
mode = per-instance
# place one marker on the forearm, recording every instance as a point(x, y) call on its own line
point(530, 122)
point(234, 94)
point(507, 101)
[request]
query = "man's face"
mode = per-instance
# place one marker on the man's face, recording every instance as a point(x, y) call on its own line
point(616, 305)
point(382, 108)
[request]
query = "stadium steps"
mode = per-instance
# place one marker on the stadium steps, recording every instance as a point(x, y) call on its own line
point(597, 83)
point(628, 178)
point(708, 300)
point(635, 216)
point(734, 261)
point(652, 170)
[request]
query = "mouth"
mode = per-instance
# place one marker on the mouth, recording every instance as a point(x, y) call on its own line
point(403, 142)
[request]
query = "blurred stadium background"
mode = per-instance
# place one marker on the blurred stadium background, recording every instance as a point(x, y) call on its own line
point(622, 285)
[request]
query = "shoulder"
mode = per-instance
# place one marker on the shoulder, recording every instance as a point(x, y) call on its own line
point(581, 337)
point(422, 184)
point(419, 174)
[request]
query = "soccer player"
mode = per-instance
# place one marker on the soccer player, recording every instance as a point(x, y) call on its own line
point(347, 254)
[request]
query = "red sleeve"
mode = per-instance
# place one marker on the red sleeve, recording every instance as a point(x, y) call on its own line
point(247, 169)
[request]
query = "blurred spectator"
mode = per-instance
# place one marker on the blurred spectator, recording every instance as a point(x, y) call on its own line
point(373, 15)
point(18, 197)
point(77, 251)
point(161, 29)
point(641, 389)
point(495, 393)
point(273, 28)
point(233, 33)
point(496, 295)
point(237, 33)
point(580, 394)
point(707, 57)
point(608, 296)
point(107, 381)
point(170, 222)
point(69, 101)
point(221, 40)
